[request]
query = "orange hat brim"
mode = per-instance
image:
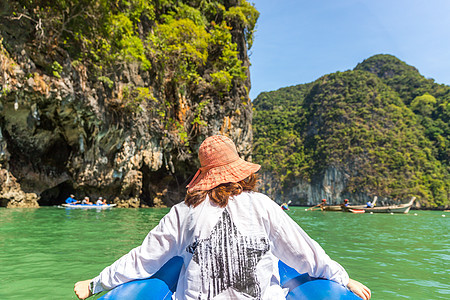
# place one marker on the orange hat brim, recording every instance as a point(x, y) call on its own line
point(232, 172)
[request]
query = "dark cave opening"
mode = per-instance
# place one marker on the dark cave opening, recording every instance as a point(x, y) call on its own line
point(58, 194)
point(161, 184)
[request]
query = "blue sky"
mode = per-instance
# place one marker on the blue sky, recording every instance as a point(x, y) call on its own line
point(297, 41)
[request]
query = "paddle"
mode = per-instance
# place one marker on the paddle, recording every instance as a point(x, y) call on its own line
point(374, 201)
point(314, 206)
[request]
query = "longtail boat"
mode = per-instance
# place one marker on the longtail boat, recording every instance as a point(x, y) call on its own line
point(339, 207)
point(400, 208)
point(332, 207)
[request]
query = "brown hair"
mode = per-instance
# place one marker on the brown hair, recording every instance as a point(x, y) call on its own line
point(221, 193)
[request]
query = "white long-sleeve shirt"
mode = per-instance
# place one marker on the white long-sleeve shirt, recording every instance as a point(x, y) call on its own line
point(229, 253)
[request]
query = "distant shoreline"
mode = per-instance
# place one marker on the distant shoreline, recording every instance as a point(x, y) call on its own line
point(412, 208)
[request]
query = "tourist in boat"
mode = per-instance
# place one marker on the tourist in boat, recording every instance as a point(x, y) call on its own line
point(100, 201)
point(321, 205)
point(86, 201)
point(285, 206)
point(345, 204)
point(223, 214)
point(71, 200)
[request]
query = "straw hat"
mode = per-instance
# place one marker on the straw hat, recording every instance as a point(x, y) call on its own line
point(220, 163)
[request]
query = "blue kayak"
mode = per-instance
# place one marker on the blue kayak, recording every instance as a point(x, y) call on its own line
point(87, 206)
point(164, 283)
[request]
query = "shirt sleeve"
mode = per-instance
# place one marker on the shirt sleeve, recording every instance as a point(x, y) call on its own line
point(159, 246)
point(294, 247)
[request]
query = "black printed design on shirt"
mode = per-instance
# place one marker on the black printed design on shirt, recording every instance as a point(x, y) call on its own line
point(228, 259)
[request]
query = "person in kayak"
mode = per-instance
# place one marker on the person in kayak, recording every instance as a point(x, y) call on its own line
point(100, 201)
point(86, 201)
point(71, 200)
point(285, 206)
point(229, 236)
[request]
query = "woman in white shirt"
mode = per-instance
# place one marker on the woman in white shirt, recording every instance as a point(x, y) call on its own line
point(229, 236)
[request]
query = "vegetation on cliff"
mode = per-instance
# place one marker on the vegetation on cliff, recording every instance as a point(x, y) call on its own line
point(180, 43)
point(383, 124)
point(112, 98)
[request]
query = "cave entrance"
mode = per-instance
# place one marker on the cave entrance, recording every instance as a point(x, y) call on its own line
point(150, 181)
point(163, 185)
point(57, 195)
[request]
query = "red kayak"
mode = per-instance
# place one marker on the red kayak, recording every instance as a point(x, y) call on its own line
point(357, 211)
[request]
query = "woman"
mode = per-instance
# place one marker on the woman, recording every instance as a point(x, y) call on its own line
point(229, 236)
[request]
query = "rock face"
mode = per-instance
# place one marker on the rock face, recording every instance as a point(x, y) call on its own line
point(331, 185)
point(12, 196)
point(69, 133)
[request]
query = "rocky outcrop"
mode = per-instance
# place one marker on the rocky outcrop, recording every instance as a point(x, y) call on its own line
point(12, 196)
point(63, 131)
point(332, 185)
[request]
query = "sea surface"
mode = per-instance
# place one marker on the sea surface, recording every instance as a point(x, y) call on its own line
point(44, 251)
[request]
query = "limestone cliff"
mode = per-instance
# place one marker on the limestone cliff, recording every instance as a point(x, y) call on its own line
point(128, 130)
point(379, 130)
point(331, 185)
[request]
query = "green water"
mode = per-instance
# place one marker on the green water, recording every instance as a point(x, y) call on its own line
point(44, 251)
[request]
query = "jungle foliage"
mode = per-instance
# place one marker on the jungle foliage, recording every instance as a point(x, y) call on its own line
point(179, 44)
point(383, 123)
